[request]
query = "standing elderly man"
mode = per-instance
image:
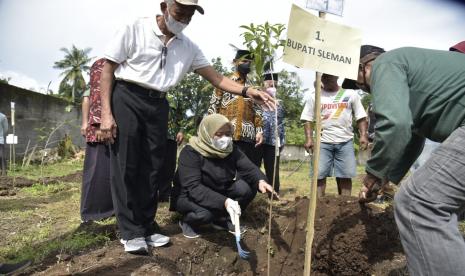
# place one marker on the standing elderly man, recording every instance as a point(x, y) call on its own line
point(337, 145)
point(148, 57)
point(417, 94)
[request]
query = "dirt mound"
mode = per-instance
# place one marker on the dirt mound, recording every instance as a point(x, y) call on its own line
point(8, 183)
point(74, 177)
point(348, 240)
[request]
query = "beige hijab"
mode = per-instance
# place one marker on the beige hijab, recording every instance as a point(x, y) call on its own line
point(203, 142)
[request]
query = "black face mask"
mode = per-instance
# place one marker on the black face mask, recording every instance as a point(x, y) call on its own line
point(244, 68)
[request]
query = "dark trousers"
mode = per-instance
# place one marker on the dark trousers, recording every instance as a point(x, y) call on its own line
point(168, 170)
point(252, 152)
point(196, 215)
point(137, 158)
point(2, 160)
point(96, 201)
point(268, 155)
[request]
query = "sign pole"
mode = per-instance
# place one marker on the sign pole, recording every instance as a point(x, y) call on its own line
point(316, 158)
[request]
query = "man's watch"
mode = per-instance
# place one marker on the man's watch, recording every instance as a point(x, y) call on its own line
point(244, 91)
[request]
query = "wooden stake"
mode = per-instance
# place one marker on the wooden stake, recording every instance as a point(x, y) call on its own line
point(313, 191)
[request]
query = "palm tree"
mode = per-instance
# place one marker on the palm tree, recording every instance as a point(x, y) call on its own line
point(73, 65)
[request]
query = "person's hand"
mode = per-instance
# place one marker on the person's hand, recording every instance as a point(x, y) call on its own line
point(179, 138)
point(370, 188)
point(84, 129)
point(262, 98)
point(233, 209)
point(264, 187)
point(98, 135)
point(258, 139)
point(108, 127)
point(363, 142)
point(309, 145)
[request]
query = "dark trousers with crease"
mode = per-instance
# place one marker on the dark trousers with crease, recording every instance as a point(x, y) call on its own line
point(137, 158)
point(168, 170)
point(268, 154)
point(253, 153)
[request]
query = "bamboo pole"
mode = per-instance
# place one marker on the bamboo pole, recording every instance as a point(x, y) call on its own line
point(313, 191)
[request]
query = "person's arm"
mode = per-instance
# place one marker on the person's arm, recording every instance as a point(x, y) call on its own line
point(362, 126)
point(107, 122)
point(307, 116)
point(393, 130)
point(190, 179)
point(85, 114)
point(226, 84)
point(251, 173)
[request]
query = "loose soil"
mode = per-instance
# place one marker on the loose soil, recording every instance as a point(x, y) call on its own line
point(349, 240)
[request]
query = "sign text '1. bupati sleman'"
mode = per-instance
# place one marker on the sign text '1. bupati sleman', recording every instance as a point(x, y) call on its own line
point(321, 45)
point(318, 52)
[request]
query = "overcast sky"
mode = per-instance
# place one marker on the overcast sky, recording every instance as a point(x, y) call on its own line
point(33, 31)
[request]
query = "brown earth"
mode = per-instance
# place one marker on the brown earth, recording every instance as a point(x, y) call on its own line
point(349, 240)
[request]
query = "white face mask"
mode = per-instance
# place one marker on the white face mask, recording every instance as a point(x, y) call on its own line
point(173, 25)
point(222, 143)
point(271, 91)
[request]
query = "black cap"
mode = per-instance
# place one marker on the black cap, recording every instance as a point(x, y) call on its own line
point(364, 50)
point(243, 54)
point(268, 76)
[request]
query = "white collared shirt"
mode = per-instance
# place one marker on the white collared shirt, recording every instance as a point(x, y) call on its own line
point(137, 48)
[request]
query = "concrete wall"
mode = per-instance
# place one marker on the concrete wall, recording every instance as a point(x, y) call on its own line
point(293, 153)
point(35, 111)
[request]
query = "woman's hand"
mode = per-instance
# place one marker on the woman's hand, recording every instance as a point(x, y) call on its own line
point(264, 187)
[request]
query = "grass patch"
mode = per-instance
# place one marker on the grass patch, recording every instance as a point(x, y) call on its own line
point(68, 244)
point(296, 180)
point(58, 169)
point(44, 190)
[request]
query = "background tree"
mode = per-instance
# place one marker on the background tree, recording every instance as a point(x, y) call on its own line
point(291, 94)
point(192, 96)
point(73, 65)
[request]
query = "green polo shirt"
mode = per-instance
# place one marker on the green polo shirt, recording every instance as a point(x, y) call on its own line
point(417, 94)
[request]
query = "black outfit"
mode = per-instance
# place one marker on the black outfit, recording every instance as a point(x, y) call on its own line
point(202, 185)
point(96, 201)
point(268, 155)
point(252, 152)
point(137, 157)
point(168, 170)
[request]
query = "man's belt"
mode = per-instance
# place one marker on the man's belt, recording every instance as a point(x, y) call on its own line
point(147, 92)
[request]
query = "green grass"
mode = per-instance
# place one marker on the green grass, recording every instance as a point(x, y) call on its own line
point(297, 182)
point(43, 190)
point(36, 172)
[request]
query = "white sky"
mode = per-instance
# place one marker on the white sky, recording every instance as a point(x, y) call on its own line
point(33, 31)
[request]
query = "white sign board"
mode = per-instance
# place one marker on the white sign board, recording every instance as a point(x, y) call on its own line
point(11, 140)
point(330, 6)
point(321, 45)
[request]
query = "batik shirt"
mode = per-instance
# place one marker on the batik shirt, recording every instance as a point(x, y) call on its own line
point(269, 126)
point(243, 113)
point(95, 104)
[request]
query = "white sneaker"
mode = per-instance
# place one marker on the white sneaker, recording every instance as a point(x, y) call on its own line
point(135, 246)
point(157, 240)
